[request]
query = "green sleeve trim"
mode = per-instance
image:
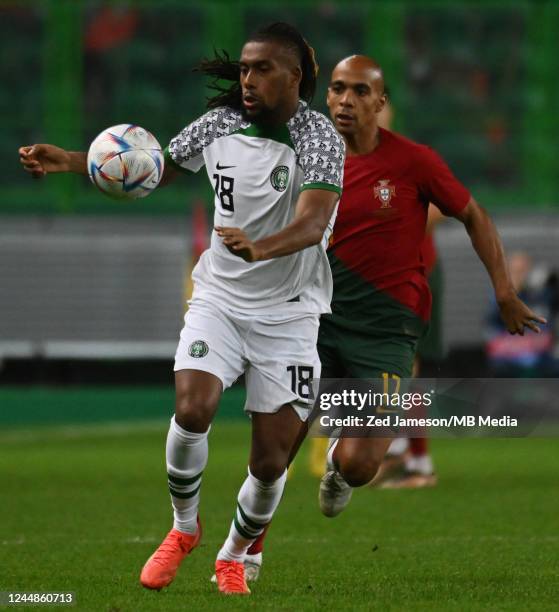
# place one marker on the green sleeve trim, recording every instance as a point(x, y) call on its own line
point(169, 160)
point(325, 186)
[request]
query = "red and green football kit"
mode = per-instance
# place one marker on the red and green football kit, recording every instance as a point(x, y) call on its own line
point(382, 303)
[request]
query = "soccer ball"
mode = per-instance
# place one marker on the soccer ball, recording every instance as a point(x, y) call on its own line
point(125, 162)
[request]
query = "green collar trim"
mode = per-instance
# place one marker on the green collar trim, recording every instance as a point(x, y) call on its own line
point(277, 133)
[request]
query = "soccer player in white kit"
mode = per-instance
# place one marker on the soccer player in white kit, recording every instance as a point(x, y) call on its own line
point(276, 168)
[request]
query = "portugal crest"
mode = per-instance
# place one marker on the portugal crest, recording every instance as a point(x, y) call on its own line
point(384, 191)
point(198, 349)
point(279, 178)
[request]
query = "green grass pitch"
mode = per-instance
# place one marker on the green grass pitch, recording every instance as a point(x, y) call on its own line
point(83, 507)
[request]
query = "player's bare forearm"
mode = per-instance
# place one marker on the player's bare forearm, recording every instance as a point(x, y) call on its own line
point(42, 159)
point(298, 235)
point(487, 244)
point(313, 212)
point(77, 162)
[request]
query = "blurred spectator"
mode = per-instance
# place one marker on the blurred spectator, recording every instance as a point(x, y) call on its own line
point(530, 355)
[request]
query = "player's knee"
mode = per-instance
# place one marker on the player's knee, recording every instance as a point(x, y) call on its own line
point(194, 411)
point(357, 470)
point(358, 475)
point(268, 469)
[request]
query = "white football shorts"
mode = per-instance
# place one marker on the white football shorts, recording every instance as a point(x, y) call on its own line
point(277, 353)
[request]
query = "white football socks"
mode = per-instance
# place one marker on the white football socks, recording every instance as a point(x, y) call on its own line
point(257, 502)
point(397, 447)
point(333, 442)
point(187, 455)
point(420, 464)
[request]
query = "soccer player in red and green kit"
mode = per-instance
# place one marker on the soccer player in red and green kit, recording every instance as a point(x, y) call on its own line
point(381, 300)
point(381, 303)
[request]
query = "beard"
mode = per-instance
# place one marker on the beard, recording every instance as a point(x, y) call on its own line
point(263, 116)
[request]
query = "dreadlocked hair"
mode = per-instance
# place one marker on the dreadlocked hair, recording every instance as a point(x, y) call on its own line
point(222, 68)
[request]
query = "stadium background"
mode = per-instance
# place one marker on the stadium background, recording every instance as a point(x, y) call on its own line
point(92, 291)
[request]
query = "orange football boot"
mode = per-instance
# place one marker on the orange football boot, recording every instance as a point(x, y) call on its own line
point(161, 568)
point(231, 578)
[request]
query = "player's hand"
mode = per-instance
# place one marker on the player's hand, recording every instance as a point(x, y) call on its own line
point(516, 315)
point(238, 243)
point(39, 159)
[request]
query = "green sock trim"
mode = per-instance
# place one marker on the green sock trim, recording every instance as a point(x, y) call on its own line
point(186, 495)
point(243, 531)
point(184, 481)
point(252, 524)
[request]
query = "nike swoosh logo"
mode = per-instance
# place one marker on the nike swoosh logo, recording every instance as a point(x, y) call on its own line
point(219, 167)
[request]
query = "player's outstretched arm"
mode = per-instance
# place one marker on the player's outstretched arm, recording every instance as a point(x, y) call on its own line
point(487, 244)
point(313, 212)
point(40, 159)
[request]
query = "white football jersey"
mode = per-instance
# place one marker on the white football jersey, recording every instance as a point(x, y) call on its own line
point(257, 174)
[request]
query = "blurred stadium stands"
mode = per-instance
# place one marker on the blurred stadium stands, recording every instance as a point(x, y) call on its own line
point(91, 286)
point(83, 276)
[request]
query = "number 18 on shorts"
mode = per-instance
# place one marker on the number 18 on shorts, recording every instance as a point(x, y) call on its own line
point(277, 353)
